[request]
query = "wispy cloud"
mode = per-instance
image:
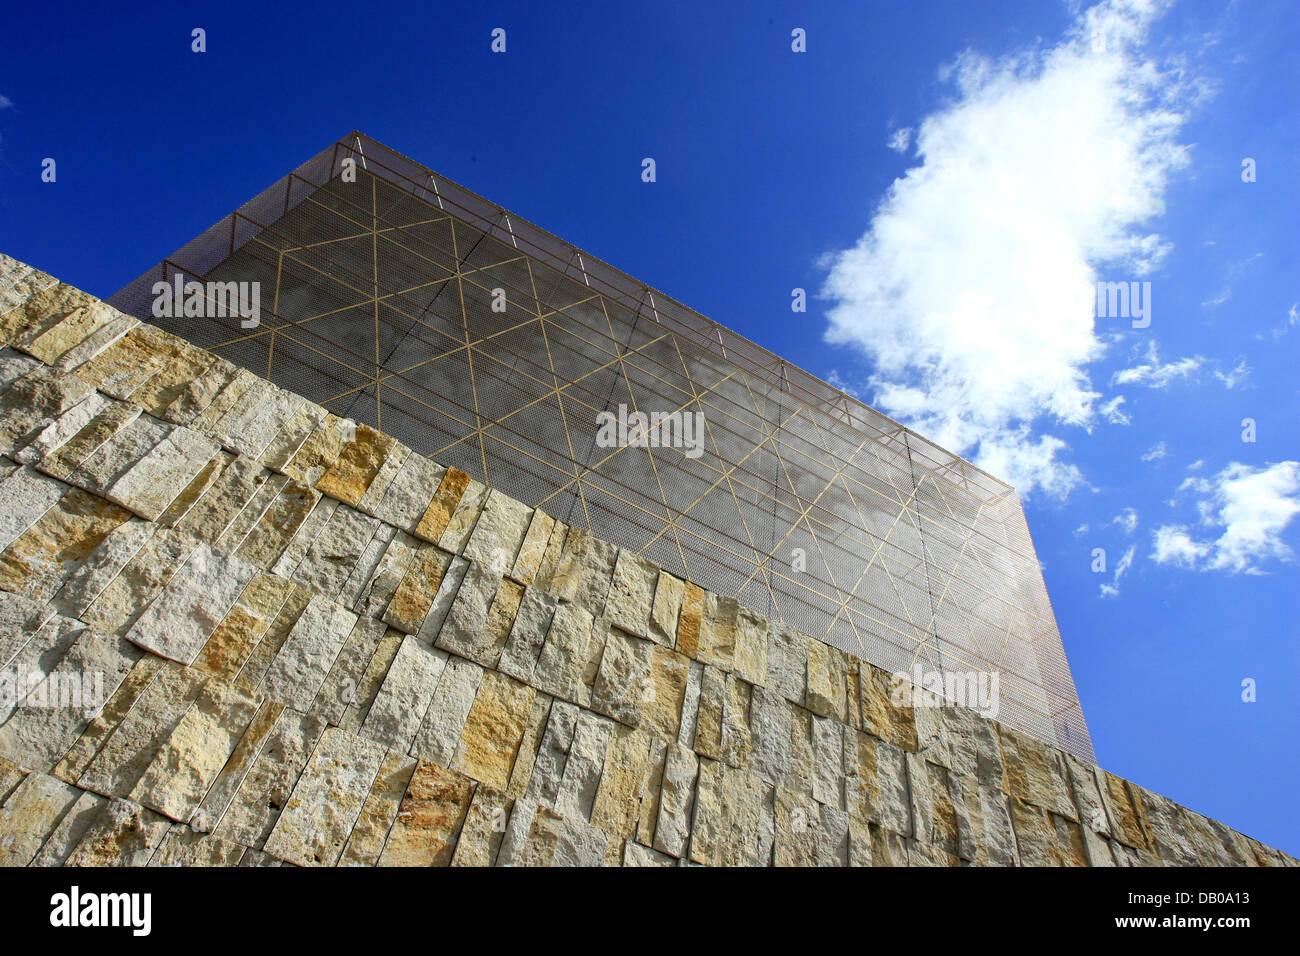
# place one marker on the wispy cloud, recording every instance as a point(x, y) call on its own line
point(1113, 413)
point(1156, 452)
point(1127, 520)
point(972, 292)
point(1252, 506)
point(1233, 378)
point(1155, 374)
point(901, 139)
point(1121, 568)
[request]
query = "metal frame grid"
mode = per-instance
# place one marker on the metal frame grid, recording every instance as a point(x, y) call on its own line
point(377, 304)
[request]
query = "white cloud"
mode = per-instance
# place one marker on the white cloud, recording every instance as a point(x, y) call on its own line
point(1156, 452)
point(1236, 376)
point(1154, 374)
point(5, 102)
point(1124, 563)
point(1080, 531)
point(1126, 519)
point(972, 292)
point(1252, 506)
point(901, 139)
point(1113, 413)
point(1171, 544)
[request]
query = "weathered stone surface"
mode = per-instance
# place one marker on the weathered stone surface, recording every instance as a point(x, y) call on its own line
point(180, 621)
point(92, 739)
point(128, 363)
point(55, 714)
point(876, 783)
point(321, 449)
point(553, 839)
point(339, 689)
point(585, 570)
point(278, 524)
point(430, 819)
point(185, 766)
point(667, 608)
point(484, 828)
point(357, 465)
point(533, 548)
point(225, 786)
point(131, 747)
point(117, 607)
point(33, 402)
point(623, 780)
point(881, 716)
point(367, 689)
point(103, 466)
point(244, 625)
point(71, 829)
point(444, 719)
point(499, 532)
point(124, 834)
point(335, 551)
point(62, 429)
point(24, 497)
point(623, 682)
point(584, 764)
point(300, 668)
point(258, 662)
point(551, 556)
point(104, 427)
point(438, 512)
point(251, 423)
point(30, 814)
point(185, 847)
point(466, 632)
point(690, 620)
point(407, 498)
point(414, 594)
point(99, 568)
point(631, 594)
point(494, 729)
point(37, 562)
point(408, 688)
point(771, 729)
point(291, 437)
point(264, 790)
point(461, 524)
point(570, 657)
point(828, 762)
point(665, 692)
point(529, 747)
point(370, 834)
point(527, 634)
point(1035, 773)
point(327, 800)
point(827, 681)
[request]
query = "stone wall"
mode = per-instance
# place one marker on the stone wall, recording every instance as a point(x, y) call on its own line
point(316, 647)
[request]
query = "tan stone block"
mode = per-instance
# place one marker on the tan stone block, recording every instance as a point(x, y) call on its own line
point(892, 722)
point(414, 595)
point(366, 842)
point(485, 827)
point(623, 781)
point(688, 626)
point(430, 819)
point(357, 465)
point(533, 548)
point(494, 729)
point(327, 800)
point(440, 509)
point(64, 536)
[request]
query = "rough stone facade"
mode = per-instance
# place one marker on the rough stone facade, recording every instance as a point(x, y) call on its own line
point(312, 646)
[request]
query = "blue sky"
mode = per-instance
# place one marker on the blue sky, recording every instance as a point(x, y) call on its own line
point(948, 180)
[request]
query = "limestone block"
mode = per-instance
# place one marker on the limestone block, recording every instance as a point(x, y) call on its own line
point(406, 499)
point(180, 621)
point(444, 720)
point(407, 690)
point(437, 514)
point(623, 682)
point(494, 729)
point(357, 465)
point(827, 681)
point(570, 657)
point(300, 668)
point(584, 572)
point(367, 839)
point(30, 814)
point(527, 634)
point(499, 532)
point(156, 480)
point(533, 548)
point(631, 594)
point(484, 828)
point(34, 402)
point(327, 800)
point(667, 608)
point(414, 595)
point(883, 717)
point(185, 766)
point(430, 819)
point(24, 497)
point(461, 524)
point(124, 834)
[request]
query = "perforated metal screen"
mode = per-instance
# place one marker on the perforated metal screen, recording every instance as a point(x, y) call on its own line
point(377, 302)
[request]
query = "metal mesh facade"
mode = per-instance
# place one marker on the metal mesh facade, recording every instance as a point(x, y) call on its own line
point(376, 302)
